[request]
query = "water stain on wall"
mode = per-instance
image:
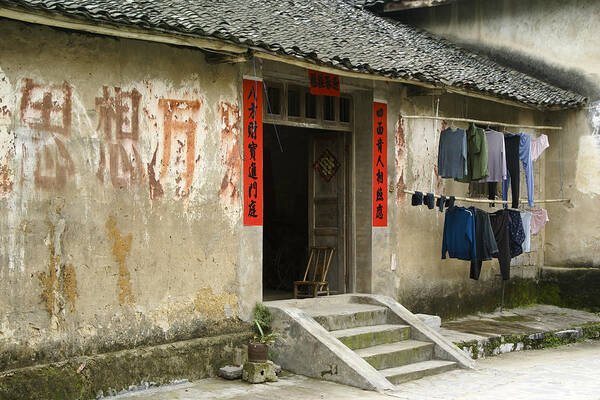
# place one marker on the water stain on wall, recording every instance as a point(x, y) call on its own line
point(120, 249)
point(400, 157)
point(216, 306)
point(59, 282)
point(229, 120)
point(156, 189)
point(6, 179)
point(587, 178)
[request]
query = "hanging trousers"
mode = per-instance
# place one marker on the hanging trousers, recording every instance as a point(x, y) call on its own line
point(511, 144)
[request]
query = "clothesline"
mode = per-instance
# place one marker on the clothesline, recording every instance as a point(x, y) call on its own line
point(490, 123)
point(472, 200)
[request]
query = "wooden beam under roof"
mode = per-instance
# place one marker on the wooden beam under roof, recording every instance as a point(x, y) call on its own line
point(401, 5)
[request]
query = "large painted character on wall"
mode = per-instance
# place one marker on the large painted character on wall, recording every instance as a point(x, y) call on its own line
point(46, 110)
point(118, 121)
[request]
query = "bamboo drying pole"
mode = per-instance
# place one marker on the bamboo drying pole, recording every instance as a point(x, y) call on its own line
point(491, 123)
point(472, 200)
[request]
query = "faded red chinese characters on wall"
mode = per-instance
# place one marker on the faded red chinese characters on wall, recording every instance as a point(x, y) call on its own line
point(118, 121)
point(46, 109)
point(179, 139)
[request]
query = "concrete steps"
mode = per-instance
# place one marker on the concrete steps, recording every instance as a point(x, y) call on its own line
point(368, 336)
point(347, 316)
point(396, 354)
point(418, 370)
point(372, 333)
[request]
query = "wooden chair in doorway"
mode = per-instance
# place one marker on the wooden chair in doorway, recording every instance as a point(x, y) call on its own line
point(318, 261)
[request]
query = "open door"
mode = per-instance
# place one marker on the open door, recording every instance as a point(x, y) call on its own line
point(327, 202)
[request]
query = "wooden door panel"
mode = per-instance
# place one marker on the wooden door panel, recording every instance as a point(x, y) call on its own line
point(327, 205)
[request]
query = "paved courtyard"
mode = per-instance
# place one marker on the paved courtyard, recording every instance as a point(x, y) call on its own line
point(567, 372)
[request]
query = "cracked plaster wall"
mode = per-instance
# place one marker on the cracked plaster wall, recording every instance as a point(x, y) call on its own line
point(119, 191)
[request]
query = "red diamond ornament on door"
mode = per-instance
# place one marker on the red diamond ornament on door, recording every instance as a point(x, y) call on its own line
point(327, 165)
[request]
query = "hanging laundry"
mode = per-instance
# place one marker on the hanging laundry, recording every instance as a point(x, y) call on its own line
point(519, 144)
point(429, 200)
point(538, 145)
point(477, 155)
point(452, 153)
point(485, 241)
point(538, 220)
point(496, 162)
point(526, 219)
point(441, 202)
point(417, 199)
point(517, 233)
point(459, 234)
point(496, 157)
point(500, 225)
point(512, 169)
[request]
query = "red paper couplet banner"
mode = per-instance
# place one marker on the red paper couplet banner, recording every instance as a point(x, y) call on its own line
point(253, 153)
point(380, 164)
point(323, 83)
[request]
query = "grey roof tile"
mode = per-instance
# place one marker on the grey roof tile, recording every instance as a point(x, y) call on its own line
point(326, 31)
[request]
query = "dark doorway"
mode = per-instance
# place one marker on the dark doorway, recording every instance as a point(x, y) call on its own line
point(285, 230)
point(303, 205)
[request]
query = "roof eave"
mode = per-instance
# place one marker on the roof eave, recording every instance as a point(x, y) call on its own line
point(225, 46)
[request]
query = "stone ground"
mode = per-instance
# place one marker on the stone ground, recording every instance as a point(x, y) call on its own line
point(537, 318)
point(567, 372)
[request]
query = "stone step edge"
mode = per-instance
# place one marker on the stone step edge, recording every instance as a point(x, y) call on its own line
point(405, 345)
point(507, 343)
point(328, 321)
point(418, 370)
point(343, 333)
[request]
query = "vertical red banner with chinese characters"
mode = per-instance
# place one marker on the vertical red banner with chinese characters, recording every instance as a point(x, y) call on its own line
point(379, 164)
point(253, 153)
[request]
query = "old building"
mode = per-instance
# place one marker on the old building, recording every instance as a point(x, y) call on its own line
point(134, 215)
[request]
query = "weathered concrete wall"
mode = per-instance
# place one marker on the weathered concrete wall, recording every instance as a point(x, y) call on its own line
point(553, 39)
point(419, 278)
point(557, 41)
point(119, 195)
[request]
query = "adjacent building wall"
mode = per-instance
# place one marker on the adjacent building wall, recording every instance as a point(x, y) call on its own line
point(555, 40)
point(407, 254)
point(119, 196)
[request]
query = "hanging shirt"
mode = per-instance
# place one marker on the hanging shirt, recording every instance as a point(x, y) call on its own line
point(526, 219)
point(525, 157)
point(538, 145)
point(538, 220)
point(477, 155)
point(484, 240)
point(459, 234)
point(496, 157)
point(517, 233)
point(452, 153)
point(500, 221)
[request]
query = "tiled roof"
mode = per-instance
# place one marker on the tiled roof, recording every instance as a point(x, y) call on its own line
point(331, 32)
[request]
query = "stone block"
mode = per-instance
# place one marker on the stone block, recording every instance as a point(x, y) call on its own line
point(432, 321)
point(255, 372)
point(277, 369)
point(230, 372)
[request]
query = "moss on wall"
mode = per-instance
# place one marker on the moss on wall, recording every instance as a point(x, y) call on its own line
point(541, 340)
point(572, 288)
point(87, 377)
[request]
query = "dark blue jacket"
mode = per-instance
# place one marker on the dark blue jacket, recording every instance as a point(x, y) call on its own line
point(459, 234)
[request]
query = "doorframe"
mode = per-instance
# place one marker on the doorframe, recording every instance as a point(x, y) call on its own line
point(349, 135)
